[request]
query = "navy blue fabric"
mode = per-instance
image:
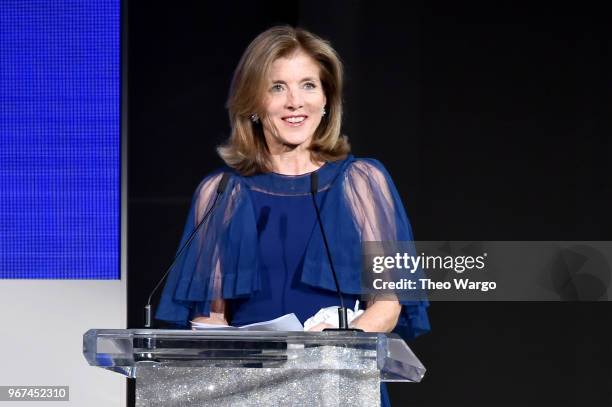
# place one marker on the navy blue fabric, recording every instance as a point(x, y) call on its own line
point(263, 253)
point(285, 225)
point(385, 401)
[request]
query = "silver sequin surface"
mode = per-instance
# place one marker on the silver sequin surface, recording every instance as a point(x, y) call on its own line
point(323, 376)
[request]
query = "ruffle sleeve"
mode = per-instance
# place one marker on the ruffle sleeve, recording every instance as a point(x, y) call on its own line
point(362, 205)
point(220, 262)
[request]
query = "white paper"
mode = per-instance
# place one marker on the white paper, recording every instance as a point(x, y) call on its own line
point(288, 322)
point(202, 325)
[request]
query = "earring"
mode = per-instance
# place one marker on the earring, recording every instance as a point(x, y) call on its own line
point(324, 111)
point(254, 118)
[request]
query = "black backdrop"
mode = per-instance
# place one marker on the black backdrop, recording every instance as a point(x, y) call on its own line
point(493, 120)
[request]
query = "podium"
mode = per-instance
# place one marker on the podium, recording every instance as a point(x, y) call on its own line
point(253, 368)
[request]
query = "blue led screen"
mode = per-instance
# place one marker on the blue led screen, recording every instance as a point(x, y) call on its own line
point(59, 139)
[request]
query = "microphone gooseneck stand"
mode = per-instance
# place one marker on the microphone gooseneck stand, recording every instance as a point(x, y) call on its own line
point(342, 311)
point(220, 190)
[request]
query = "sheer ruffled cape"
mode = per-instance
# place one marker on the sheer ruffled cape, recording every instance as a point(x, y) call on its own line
point(360, 204)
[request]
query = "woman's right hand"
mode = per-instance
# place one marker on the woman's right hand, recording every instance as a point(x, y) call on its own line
point(215, 318)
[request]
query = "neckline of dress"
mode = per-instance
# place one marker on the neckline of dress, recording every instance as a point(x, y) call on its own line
point(306, 174)
point(280, 184)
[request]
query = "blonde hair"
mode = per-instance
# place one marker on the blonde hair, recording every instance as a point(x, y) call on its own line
point(246, 150)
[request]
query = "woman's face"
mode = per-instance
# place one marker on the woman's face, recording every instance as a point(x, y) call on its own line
point(294, 101)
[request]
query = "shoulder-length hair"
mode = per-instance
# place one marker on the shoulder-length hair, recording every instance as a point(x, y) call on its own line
point(246, 150)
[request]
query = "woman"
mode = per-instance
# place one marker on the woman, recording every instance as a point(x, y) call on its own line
point(261, 255)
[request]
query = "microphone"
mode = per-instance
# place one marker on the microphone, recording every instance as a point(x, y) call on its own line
point(342, 312)
point(220, 190)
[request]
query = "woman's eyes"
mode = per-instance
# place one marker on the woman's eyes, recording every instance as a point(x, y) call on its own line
point(277, 87)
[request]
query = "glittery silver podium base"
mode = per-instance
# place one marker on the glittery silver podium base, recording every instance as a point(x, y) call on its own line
point(323, 376)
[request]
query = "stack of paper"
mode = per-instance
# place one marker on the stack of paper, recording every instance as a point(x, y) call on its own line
point(287, 322)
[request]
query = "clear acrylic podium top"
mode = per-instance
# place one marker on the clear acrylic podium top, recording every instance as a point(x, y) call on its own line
point(123, 350)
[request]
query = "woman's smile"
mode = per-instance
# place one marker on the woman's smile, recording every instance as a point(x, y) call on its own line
point(294, 120)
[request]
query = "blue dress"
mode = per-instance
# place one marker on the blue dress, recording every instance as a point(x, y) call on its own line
point(262, 250)
point(285, 224)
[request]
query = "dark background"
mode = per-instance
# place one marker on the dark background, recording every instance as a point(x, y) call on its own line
point(493, 120)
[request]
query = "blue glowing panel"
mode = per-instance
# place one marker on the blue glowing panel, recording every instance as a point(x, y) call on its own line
point(59, 139)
